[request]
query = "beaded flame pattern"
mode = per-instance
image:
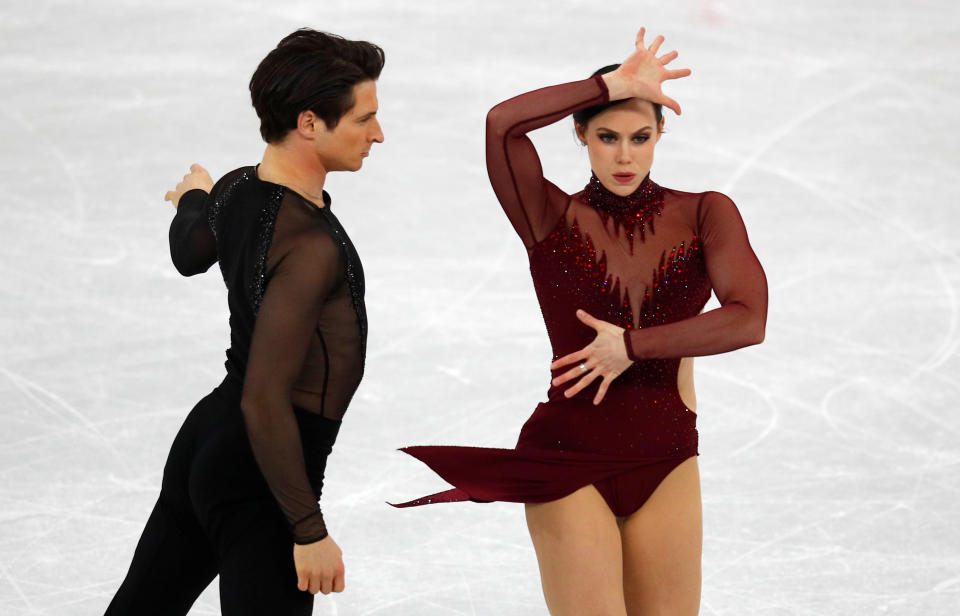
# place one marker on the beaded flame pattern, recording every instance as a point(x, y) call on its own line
point(571, 269)
point(634, 212)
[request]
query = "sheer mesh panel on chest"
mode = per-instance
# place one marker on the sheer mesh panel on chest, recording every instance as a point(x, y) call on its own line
point(636, 270)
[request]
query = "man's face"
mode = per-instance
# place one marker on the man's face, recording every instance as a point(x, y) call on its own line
point(345, 147)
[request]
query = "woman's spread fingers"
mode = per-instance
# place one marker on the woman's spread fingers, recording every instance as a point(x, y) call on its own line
point(566, 360)
point(666, 59)
point(570, 374)
point(602, 390)
point(590, 377)
point(655, 45)
point(639, 40)
point(302, 583)
point(589, 319)
point(680, 72)
point(671, 104)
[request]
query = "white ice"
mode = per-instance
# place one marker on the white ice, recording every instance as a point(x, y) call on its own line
point(829, 453)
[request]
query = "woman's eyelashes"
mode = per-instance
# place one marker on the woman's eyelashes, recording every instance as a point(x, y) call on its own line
point(612, 138)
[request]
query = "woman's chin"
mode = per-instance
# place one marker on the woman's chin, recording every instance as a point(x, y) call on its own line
point(619, 188)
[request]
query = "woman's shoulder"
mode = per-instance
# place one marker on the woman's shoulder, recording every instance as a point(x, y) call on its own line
point(688, 195)
point(703, 210)
point(702, 200)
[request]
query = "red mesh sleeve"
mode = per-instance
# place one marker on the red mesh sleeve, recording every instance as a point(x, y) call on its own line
point(738, 282)
point(533, 204)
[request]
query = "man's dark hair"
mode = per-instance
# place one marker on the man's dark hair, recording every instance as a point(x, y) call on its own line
point(584, 115)
point(310, 70)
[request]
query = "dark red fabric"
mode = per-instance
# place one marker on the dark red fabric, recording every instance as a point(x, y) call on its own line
point(646, 263)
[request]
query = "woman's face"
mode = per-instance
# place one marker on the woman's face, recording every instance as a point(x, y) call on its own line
point(620, 141)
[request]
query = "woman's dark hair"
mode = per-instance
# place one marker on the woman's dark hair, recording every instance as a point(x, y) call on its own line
point(584, 115)
point(310, 70)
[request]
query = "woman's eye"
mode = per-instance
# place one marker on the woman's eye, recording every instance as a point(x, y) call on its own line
point(641, 138)
point(607, 138)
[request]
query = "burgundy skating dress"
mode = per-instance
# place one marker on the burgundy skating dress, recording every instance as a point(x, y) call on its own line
point(646, 262)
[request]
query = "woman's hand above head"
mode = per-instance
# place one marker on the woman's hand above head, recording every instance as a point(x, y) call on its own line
point(605, 357)
point(319, 566)
point(197, 178)
point(642, 74)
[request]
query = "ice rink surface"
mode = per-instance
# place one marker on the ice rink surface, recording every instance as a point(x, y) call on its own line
point(829, 454)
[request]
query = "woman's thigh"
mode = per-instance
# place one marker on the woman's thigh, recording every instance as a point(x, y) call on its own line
point(578, 548)
point(662, 546)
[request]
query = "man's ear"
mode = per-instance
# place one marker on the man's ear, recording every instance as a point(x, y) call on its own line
point(310, 125)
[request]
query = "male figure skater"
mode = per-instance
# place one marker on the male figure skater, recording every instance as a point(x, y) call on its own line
point(241, 485)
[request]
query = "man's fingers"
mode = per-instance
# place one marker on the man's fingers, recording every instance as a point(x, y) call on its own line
point(169, 195)
point(339, 583)
point(572, 358)
point(326, 583)
point(197, 168)
point(569, 375)
point(590, 377)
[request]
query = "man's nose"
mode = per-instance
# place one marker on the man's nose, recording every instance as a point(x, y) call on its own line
point(377, 134)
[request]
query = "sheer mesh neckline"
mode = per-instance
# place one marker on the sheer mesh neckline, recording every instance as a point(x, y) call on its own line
point(327, 201)
point(632, 212)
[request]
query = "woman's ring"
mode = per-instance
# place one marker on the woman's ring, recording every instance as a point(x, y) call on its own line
point(583, 367)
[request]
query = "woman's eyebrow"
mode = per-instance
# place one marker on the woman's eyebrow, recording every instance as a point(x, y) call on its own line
point(610, 130)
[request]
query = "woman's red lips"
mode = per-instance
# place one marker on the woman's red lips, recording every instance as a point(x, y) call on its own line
point(624, 177)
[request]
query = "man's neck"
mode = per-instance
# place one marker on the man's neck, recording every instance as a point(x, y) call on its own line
point(294, 169)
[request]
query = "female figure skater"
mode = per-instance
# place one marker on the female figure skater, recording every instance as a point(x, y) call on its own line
point(241, 484)
point(607, 466)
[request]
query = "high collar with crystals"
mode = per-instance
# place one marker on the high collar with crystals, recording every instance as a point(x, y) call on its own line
point(635, 211)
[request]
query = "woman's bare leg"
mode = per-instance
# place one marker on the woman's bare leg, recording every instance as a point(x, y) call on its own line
point(578, 548)
point(662, 547)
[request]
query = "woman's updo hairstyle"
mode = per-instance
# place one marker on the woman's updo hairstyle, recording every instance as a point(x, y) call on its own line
point(583, 116)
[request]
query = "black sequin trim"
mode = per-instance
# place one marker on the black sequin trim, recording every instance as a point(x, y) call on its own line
point(354, 275)
point(213, 214)
point(265, 224)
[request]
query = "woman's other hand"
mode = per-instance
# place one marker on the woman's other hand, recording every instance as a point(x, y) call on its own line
point(605, 357)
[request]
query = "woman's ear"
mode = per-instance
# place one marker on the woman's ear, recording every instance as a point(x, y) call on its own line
point(581, 132)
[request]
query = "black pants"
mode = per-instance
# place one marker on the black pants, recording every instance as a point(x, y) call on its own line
point(215, 515)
